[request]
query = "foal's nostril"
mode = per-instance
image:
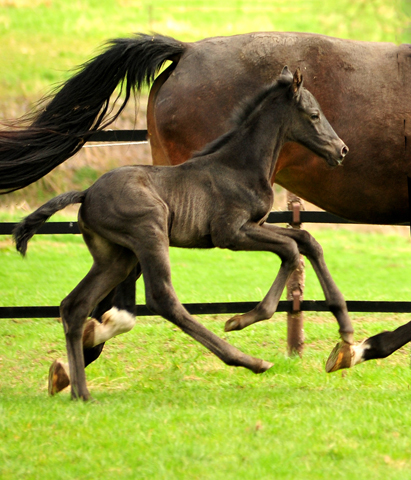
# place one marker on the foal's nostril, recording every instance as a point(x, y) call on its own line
point(344, 151)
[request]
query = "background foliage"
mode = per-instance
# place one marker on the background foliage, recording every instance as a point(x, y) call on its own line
point(41, 39)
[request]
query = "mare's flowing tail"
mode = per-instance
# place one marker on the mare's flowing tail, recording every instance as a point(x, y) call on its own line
point(80, 107)
point(29, 225)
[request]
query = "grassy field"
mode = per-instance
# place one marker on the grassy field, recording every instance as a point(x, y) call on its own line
point(167, 409)
point(369, 266)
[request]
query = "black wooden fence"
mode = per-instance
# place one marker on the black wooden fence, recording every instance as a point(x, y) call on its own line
point(201, 308)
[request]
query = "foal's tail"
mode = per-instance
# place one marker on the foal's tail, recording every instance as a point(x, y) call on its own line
point(29, 225)
point(36, 144)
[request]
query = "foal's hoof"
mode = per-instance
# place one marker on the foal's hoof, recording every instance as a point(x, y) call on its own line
point(341, 357)
point(85, 397)
point(233, 324)
point(58, 377)
point(264, 366)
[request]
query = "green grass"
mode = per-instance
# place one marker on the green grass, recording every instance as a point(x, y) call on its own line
point(168, 409)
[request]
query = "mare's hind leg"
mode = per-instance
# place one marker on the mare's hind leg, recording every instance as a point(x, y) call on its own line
point(112, 264)
point(162, 300)
point(112, 316)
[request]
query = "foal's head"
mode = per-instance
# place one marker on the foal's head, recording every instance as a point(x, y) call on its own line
point(308, 124)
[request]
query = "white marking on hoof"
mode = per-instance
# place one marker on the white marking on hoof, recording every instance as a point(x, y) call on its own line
point(358, 351)
point(114, 322)
point(345, 355)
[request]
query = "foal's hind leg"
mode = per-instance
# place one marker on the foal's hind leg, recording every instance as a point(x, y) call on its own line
point(111, 266)
point(112, 316)
point(162, 300)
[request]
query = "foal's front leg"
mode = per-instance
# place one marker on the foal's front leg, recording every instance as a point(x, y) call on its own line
point(288, 243)
point(162, 300)
point(259, 238)
point(308, 246)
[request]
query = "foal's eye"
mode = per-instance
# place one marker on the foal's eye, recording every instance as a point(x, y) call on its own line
point(315, 116)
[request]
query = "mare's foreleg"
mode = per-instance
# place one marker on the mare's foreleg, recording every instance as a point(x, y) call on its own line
point(379, 346)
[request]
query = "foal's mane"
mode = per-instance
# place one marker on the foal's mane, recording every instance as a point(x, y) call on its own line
point(241, 114)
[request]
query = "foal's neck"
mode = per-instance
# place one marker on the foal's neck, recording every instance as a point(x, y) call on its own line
point(261, 137)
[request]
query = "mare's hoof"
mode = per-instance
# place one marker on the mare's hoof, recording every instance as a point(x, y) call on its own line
point(58, 377)
point(340, 357)
point(233, 324)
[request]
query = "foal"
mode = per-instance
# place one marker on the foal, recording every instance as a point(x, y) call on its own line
point(220, 198)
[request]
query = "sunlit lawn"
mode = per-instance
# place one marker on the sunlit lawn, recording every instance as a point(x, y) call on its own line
point(169, 409)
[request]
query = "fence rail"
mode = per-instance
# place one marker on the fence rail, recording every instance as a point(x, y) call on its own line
point(52, 228)
point(225, 308)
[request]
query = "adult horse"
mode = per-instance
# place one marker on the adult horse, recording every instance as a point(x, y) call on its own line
point(366, 97)
point(220, 198)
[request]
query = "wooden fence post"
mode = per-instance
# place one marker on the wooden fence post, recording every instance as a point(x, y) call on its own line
point(295, 287)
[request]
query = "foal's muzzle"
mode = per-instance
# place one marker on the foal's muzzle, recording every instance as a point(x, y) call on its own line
point(342, 153)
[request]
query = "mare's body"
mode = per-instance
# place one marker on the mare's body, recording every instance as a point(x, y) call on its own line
point(363, 88)
point(367, 100)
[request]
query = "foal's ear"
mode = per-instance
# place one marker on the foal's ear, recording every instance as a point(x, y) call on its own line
point(286, 72)
point(297, 82)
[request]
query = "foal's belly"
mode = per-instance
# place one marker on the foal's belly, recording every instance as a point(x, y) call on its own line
point(190, 233)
